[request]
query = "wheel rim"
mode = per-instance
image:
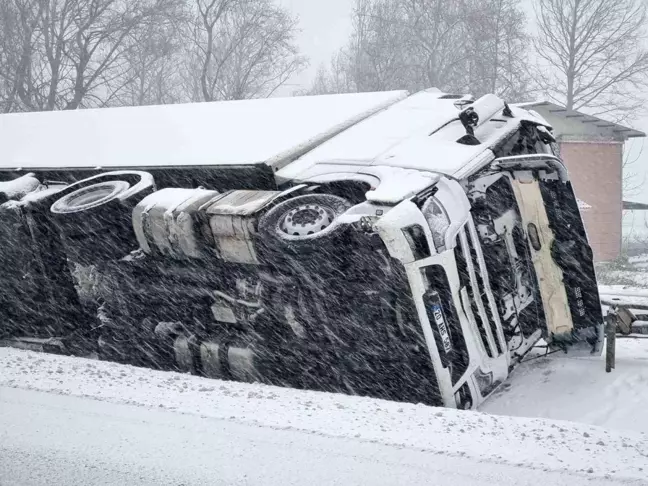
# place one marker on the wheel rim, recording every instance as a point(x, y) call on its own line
point(306, 220)
point(91, 196)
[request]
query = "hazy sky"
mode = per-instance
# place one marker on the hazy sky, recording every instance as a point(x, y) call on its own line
point(325, 26)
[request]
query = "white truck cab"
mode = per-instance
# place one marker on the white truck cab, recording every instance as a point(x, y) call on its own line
point(408, 247)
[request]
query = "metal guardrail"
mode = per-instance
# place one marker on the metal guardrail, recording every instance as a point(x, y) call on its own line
point(624, 303)
point(621, 321)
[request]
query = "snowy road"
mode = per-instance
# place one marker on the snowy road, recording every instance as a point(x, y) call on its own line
point(61, 440)
point(68, 421)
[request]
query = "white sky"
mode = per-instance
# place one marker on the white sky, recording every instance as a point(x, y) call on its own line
point(325, 26)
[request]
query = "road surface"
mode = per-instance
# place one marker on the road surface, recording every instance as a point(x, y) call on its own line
point(49, 439)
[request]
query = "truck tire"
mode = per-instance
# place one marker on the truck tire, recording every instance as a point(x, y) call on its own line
point(89, 197)
point(303, 224)
point(94, 216)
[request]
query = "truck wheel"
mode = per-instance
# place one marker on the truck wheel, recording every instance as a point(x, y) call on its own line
point(93, 216)
point(304, 223)
point(90, 197)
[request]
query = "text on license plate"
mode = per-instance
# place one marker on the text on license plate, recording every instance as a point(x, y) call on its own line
point(443, 328)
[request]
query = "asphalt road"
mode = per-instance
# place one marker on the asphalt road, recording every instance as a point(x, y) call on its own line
point(48, 439)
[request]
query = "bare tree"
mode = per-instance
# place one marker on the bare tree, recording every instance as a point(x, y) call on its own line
point(378, 53)
point(455, 45)
point(438, 42)
point(497, 45)
point(153, 64)
point(19, 21)
point(240, 49)
point(65, 54)
point(375, 57)
point(633, 181)
point(397, 44)
point(593, 54)
point(333, 79)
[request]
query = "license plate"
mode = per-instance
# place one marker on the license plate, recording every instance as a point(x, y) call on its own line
point(439, 320)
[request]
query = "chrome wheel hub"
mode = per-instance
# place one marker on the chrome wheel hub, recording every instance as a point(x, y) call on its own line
point(307, 220)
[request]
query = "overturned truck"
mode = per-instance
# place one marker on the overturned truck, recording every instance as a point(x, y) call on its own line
point(406, 247)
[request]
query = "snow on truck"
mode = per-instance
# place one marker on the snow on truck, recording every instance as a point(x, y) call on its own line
point(406, 247)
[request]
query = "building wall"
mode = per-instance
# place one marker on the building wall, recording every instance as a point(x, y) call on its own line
point(595, 168)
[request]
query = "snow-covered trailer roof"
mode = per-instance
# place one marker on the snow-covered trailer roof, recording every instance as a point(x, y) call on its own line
point(271, 131)
point(400, 142)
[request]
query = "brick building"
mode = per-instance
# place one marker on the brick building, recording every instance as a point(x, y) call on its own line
point(592, 149)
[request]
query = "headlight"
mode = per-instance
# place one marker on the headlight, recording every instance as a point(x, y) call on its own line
point(438, 221)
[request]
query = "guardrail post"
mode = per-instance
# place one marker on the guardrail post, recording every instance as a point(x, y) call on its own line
point(610, 331)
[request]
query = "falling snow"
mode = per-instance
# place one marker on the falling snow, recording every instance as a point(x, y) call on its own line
point(377, 253)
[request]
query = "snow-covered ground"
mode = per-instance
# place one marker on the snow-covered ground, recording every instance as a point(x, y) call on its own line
point(633, 273)
point(627, 278)
point(57, 440)
point(579, 390)
point(640, 261)
point(63, 418)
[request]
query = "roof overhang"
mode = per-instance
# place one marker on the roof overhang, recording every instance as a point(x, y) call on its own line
point(635, 206)
point(606, 127)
